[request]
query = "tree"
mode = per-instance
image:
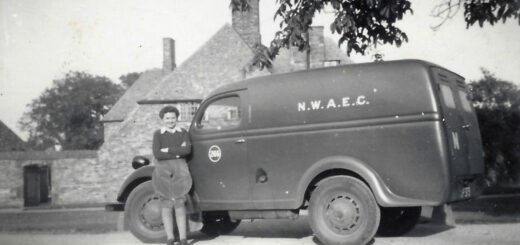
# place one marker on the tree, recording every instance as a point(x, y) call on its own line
point(497, 103)
point(362, 23)
point(478, 11)
point(128, 79)
point(69, 113)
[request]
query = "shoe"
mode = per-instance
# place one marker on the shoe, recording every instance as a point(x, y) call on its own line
point(170, 242)
point(183, 242)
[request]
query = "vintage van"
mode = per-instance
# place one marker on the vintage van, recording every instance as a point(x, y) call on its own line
point(360, 147)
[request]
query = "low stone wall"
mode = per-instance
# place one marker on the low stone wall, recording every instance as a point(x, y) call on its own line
point(76, 177)
point(11, 183)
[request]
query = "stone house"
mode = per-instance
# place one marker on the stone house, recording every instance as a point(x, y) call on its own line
point(90, 178)
point(223, 59)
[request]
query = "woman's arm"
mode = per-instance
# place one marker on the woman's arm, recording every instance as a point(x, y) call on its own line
point(185, 148)
point(156, 148)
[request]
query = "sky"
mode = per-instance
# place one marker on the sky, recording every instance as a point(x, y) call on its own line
point(41, 40)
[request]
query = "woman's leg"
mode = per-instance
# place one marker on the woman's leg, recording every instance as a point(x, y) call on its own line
point(167, 218)
point(180, 216)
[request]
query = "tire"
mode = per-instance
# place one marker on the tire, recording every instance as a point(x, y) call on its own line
point(218, 224)
point(143, 214)
point(398, 221)
point(343, 211)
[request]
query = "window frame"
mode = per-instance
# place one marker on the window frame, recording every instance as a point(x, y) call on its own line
point(464, 101)
point(200, 116)
point(331, 63)
point(452, 104)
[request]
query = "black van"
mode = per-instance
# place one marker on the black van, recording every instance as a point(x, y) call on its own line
point(355, 145)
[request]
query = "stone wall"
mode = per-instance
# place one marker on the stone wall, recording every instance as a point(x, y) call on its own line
point(110, 128)
point(11, 183)
point(76, 177)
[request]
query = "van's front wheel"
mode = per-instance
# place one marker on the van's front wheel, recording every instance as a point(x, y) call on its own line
point(343, 210)
point(143, 214)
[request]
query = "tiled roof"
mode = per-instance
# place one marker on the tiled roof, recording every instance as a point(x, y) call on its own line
point(9, 141)
point(149, 79)
point(220, 60)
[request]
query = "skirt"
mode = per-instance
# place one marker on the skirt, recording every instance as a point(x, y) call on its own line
point(171, 180)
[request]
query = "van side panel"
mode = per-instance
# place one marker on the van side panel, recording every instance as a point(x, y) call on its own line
point(410, 164)
point(341, 94)
point(386, 115)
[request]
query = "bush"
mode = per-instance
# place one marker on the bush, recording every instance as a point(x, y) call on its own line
point(497, 104)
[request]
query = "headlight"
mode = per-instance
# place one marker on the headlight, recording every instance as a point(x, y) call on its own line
point(140, 161)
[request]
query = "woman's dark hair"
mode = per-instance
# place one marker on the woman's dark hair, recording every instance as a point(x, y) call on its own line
point(167, 109)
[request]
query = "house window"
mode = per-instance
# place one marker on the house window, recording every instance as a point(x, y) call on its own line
point(187, 111)
point(328, 63)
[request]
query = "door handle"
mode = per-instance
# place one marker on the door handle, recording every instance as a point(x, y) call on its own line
point(466, 126)
point(261, 176)
point(238, 141)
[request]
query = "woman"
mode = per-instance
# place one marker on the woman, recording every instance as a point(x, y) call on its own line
point(171, 178)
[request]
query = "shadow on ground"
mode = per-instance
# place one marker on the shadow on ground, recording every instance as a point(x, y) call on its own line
point(425, 230)
point(275, 228)
point(489, 210)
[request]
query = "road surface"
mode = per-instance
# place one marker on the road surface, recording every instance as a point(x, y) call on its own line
point(287, 232)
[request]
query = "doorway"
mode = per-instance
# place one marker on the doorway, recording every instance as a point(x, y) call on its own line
point(37, 185)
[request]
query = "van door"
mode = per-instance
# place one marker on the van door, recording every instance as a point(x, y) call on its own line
point(219, 166)
point(472, 131)
point(454, 124)
point(462, 132)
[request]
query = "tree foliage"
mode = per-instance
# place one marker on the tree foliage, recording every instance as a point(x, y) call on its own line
point(360, 23)
point(478, 11)
point(128, 79)
point(491, 11)
point(363, 23)
point(69, 113)
point(497, 103)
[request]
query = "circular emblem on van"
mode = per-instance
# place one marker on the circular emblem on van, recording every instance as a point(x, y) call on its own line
point(214, 153)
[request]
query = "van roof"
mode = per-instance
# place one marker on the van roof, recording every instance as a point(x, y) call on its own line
point(343, 68)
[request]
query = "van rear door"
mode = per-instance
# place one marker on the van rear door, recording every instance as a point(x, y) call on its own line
point(462, 132)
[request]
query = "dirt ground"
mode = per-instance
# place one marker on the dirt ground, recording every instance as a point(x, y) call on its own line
point(287, 232)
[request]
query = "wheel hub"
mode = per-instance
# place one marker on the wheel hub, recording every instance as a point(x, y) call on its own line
point(342, 214)
point(150, 213)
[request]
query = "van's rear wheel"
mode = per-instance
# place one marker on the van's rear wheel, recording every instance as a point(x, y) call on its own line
point(143, 214)
point(398, 221)
point(343, 210)
point(215, 224)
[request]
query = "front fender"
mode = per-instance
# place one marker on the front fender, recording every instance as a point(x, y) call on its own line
point(138, 176)
point(384, 196)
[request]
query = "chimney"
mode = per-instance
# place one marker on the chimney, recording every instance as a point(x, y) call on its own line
point(317, 43)
point(299, 59)
point(247, 23)
point(168, 55)
point(315, 56)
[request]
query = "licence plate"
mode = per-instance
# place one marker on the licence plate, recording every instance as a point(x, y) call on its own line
point(465, 192)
